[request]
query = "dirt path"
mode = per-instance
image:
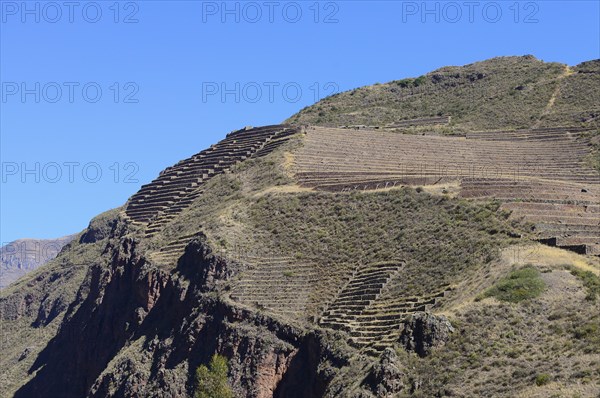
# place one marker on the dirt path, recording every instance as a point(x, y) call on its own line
point(553, 97)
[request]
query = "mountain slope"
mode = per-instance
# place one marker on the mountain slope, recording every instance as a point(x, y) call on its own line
point(318, 268)
point(500, 93)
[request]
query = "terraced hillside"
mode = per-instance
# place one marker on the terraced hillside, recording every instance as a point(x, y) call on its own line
point(358, 262)
point(392, 257)
point(541, 175)
point(302, 279)
point(371, 317)
point(281, 285)
point(176, 188)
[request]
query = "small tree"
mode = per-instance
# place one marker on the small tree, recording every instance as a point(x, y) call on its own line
point(211, 382)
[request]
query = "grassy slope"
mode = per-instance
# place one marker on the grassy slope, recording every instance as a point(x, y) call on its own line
point(578, 98)
point(507, 349)
point(500, 93)
point(436, 237)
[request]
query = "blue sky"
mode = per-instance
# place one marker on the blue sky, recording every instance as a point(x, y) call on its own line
point(98, 97)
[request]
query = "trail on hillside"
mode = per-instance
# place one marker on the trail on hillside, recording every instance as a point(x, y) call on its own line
point(553, 97)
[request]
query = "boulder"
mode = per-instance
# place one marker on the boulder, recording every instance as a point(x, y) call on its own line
point(423, 331)
point(385, 378)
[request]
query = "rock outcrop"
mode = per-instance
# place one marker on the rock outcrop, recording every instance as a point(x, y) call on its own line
point(172, 322)
point(423, 331)
point(386, 376)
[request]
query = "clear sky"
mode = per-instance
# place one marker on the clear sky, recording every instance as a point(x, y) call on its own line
point(98, 97)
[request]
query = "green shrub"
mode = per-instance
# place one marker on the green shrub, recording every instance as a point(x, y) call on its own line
point(588, 332)
point(542, 379)
point(419, 80)
point(211, 382)
point(519, 285)
point(404, 83)
point(590, 281)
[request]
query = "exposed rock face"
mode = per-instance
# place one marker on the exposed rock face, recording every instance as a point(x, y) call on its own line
point(102, 227)
point(386, 378)
point(172, 322)
point(423, 331)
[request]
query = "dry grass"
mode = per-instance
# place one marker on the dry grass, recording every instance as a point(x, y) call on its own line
point(500, 349)
point(556, 258)
point(450, 189)
point(504, 92)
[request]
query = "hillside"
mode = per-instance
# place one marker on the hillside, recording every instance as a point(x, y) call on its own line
point(25, 255)
point(418, 253)
point(500, 93)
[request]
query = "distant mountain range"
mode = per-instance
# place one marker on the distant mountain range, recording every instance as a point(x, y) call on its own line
point(25, 255)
